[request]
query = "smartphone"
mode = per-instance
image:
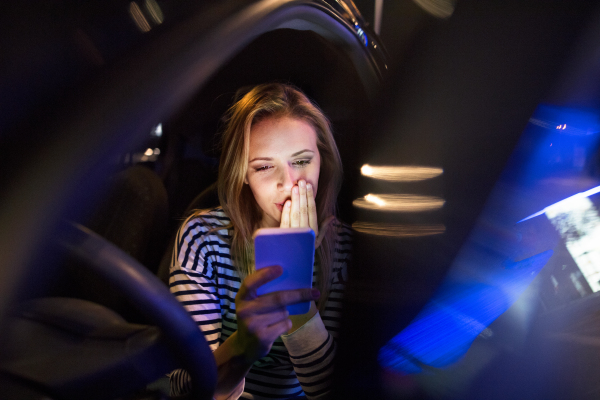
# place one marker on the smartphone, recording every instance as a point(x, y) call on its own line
point(294, 250)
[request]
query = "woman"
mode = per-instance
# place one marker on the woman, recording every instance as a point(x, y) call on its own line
point(279, 167)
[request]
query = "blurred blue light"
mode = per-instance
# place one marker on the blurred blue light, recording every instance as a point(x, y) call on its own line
point(444, 330)
point(484, 281)
point(587, 193)
point(361, 34)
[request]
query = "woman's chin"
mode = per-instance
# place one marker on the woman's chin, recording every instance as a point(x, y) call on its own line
point(271, 222)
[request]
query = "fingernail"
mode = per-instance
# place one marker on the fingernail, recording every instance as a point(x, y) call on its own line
point(315, 293)
point(308, 186)
point(302, 183)
point(288, 204)
point(295, 189)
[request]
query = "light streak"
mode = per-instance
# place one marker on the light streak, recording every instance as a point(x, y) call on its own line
point(375, 200)
point(398, 230)
point(438, 8)
point(578, 223)
point(154, 11)
point(400, 174)
point(587, 193)
point(138, 17)
point(399, 202)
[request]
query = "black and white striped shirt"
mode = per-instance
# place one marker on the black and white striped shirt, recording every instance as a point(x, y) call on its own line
point(205, 281)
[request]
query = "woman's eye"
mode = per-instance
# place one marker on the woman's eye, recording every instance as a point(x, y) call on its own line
point(301, 163)
point(263, 168)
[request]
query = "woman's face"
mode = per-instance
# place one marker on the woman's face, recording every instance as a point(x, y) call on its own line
point(282, 152)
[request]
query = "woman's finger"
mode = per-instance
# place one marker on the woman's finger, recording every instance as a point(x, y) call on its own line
point(255, 280)
point(274, 331)
point(313, 222)
point(295, 210)
point(285, 215)
point(303, 203)
point(255, 322)
point(277, 300)
point(258, 332)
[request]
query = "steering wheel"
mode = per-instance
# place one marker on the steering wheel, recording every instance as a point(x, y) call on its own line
point(151, 298)
point(67, 347)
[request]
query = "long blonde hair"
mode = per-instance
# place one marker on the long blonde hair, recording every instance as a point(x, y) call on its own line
point(275, 100)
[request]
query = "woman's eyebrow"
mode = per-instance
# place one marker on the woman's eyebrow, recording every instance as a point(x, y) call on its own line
point(271, 159)
point(260, 159)
point(300, 152)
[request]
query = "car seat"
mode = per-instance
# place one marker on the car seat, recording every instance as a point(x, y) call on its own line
point(133, 216)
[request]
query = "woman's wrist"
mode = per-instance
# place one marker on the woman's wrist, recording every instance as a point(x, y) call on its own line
point(299, 320)
point(239, 350)
point(232, 366)
point(306, 338)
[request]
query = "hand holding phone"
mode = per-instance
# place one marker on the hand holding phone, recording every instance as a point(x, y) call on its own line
point(262, 319)
point(293, 249)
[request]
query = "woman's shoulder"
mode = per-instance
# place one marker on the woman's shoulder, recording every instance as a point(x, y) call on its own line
point(204, 222)
point(216, 214)
point(211, 218)
point(343, 239)
point(202, 237)
point(343, 230)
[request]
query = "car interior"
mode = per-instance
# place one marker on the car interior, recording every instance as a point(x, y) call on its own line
point(93, 211)
point(140, 196)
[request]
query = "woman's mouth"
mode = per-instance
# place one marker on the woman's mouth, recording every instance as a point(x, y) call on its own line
point(280, 205)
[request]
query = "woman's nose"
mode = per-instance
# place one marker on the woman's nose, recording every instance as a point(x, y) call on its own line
point(289, 178)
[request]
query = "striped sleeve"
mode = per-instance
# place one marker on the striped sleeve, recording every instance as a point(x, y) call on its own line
point(343, 252)
point(312, 351)
point(312, 347)
point(193, 283)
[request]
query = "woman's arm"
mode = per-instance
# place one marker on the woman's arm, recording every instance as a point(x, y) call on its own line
point(198, 295)
point(312, 350)
point(261, 320)
point(232, 368)
point(301, 319)
point(311, 346)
